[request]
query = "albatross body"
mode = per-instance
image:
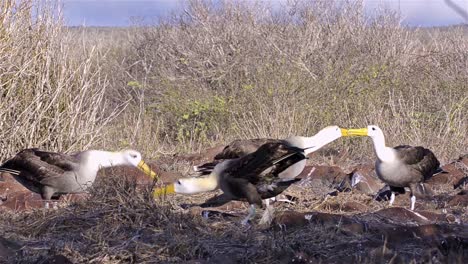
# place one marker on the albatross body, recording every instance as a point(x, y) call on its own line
point(241, 147)
point(401, 166)
point(51, 174)
point(236, 149)
point(262, 174)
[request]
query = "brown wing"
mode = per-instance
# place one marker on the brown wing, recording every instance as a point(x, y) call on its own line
point(419, 158)
point(240, 148)
point(35, 165)
point(64, 161)
point(266, 163)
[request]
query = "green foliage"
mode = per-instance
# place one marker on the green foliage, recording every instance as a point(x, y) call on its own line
point(190, 118)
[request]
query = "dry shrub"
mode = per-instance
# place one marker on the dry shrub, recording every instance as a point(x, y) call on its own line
point(230, 69)
point(233, 69)
point(52, 93)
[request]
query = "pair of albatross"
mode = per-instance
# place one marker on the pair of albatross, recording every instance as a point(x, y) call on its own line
point(268, 171)
point(245, 174)
point(52, 174)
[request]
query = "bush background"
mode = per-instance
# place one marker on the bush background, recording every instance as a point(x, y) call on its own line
point(214, 73)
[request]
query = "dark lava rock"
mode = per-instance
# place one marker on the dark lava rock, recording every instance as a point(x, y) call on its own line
point(55, 259)
point(364, 179)
point(462, 183)
point(453, 173)
point(403, 215)
point(289, 219)
point(348, 206)
point(461, 199)
point(9, 188)
point(330, 176)
point(20, 201)
point(8, 249)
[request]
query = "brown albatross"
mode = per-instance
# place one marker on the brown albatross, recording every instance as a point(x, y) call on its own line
point(52, 174)
point(262, 174)
point(241, 147)
point(401, 166)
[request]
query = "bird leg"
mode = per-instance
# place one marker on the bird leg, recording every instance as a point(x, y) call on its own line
point(413, 187)
point(47, 194)
point(413, 201)
point(249, 191)
point(251, 215)
point(267, 216)
point(52, 203)
point(392, 198)
point(239, 188)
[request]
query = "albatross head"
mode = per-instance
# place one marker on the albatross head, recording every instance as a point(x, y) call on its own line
point(331, 133)
point(133, 158)
point(125, 157)
point(189, 186)
point(383, 152)
point(317, 141)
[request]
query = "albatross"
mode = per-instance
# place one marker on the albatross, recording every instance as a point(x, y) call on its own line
point(401, 166)
point(262, 174)
point(241, 147)
point(52, 174)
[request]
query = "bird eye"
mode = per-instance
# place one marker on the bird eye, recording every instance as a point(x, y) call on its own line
point(178, 182)
point(373, 128)
point(133, 156)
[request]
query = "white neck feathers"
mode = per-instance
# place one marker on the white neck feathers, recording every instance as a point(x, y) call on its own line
point(313, 143)
point(96, 159)
point(384, 153)
point(198, 185)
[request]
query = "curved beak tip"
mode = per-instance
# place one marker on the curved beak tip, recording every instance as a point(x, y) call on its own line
point(146, 169)
point(344, 132)
point(164, 190)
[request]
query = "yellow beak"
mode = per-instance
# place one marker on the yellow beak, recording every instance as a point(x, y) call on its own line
point(164, 190)
point(344, 132)
point(146, 169)
point(356, 132)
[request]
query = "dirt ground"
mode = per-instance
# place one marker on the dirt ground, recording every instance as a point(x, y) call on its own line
point(326, 220)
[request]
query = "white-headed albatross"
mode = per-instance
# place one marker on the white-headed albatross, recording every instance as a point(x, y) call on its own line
point(51, 174)
point(401, 166)
point(262, 174)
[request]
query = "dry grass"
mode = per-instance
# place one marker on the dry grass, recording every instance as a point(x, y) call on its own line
point(121, 223)
point(52, 94)
point(234, 70)
point(238, 70)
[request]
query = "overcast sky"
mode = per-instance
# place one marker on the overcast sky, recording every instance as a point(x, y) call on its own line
point(120, 12)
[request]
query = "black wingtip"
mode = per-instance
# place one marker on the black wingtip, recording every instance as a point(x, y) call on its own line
point(461, 183)
point(440, 170)
point(10, 171)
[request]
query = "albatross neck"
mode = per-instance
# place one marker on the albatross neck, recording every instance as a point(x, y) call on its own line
point(204, 184)
point(105, 159)
point(315, 142)
point(384, 153)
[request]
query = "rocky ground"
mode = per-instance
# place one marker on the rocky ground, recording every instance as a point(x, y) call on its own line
point(330, 219)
